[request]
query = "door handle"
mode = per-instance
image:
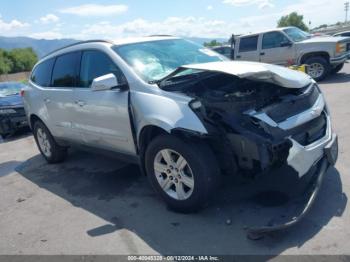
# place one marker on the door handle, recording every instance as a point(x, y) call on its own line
point(80, 103)
point(262, 53)
point(238, 56)
point(47, 100)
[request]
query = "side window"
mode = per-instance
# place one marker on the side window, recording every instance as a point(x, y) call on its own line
point(249, 43)
point(95, 64)
point(42, 73)
point(273, 40)
point(65, 71)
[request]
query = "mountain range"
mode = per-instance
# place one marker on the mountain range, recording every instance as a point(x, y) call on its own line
point(43, 46)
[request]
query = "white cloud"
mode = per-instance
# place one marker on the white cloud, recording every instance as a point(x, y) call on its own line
point(209, 7)
point(12, 25)
point(260, 3)
point(180, 26)
point(47, 35)
point(95, 10)
point(49, 18)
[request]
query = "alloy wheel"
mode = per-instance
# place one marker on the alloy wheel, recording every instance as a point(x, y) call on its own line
point(174, 174)
point(44, 142)
point(315, 70)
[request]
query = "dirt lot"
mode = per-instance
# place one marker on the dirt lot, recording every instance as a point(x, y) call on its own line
point(95, 205)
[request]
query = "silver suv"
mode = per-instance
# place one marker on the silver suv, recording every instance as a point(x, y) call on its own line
point(184, 113)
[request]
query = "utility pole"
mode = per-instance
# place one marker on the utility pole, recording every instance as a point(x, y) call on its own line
point(346, 8)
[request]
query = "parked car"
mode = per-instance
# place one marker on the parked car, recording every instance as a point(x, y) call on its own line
point(224, 50)
point(184, 113)
point(12, 115)
point(345, 33)
point(292, 46)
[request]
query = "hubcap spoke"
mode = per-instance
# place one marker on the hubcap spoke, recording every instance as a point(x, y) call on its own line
point(188, 181)
point(166, 184)
point(167, 156)
point(159, 167)
point(181, 163)
point(180, 191)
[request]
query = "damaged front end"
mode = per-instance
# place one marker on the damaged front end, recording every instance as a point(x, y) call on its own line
point(260, 120)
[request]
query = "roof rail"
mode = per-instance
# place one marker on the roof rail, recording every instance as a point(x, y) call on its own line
point(78, 43)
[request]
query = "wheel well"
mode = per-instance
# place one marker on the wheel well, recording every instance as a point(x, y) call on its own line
point(33, 119)
point(314, 54)
point(147, 134)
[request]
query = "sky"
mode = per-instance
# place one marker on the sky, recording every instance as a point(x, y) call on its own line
point(114, 19)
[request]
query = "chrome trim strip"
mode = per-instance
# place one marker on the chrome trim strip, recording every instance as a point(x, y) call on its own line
point(295, 120)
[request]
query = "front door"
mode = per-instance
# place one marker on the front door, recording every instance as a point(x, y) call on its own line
point(102, 117)
point(277, 49)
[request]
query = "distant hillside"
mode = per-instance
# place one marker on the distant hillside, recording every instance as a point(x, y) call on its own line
point(40, 46)
point(201, 40)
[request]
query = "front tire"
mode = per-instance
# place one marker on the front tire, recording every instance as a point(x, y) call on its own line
point(318, 67)
point(184, 174)
point(51, 151)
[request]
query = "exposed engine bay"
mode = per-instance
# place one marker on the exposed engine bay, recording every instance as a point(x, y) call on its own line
point(242, 140)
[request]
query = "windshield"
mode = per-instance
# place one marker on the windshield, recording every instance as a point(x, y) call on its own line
point(296, 34)
point(154, 60)
point(10, 89)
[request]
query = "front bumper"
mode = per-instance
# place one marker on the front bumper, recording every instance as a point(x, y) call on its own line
point(301, 205)
point(9, 124)
point(340, 59)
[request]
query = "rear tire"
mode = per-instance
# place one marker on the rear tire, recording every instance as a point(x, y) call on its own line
point(318, 67)
point(51, 151)
point(183, 173)
point(337, 69)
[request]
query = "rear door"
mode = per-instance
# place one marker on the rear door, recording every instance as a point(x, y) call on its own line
point(59, 98)
point(247, 48)
point(276, 48)
point(102, 117)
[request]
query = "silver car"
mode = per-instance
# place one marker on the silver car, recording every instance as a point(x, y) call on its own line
point(184, 113)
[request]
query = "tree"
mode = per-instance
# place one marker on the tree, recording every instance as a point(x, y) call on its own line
point(17, 60)
point(293, 19)
point(212, 43)
point(5, 63)
point(23, 59)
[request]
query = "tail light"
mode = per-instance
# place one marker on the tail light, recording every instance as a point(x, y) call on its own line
point(21, 93)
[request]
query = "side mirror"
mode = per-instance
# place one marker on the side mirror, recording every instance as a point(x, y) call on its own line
point(286, 43)
point(105, 82)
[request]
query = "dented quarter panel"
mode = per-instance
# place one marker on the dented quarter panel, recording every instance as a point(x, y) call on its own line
point(165, 110)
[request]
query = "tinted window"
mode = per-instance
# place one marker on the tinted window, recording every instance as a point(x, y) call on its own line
point(42, 73)
point(273, 40)
point(95, 64)
point(248, 44)
point(65, 71)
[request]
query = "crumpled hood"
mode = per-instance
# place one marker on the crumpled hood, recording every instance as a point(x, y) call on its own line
point(15, 100)
point(261, 72)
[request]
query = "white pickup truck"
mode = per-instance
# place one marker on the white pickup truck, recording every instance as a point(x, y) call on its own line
point(292, 46)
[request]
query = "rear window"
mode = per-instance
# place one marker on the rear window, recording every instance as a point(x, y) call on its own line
point(247, 44)
point(65, 71)
point(41, 74)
